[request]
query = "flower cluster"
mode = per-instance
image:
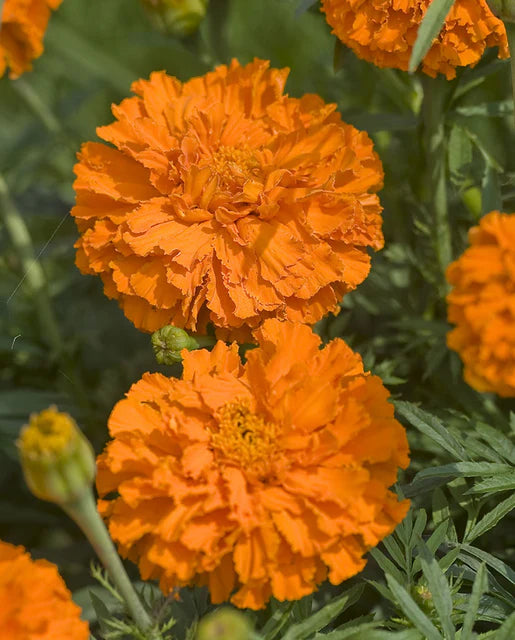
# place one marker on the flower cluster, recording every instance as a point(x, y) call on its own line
point(34, 601)
point(482, 305)
point(22, 27)
point(226, 201)
point(384, 32)
point(257, 479)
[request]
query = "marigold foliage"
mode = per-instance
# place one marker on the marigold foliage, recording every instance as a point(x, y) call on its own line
point(34, 601)
point(482, 305)
point(225, 200)
point(384, 32)
point(22, 27)
point(257, 479)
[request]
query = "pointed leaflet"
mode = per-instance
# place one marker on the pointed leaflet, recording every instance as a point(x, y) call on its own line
point(428, 30)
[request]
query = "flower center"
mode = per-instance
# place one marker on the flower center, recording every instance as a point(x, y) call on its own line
point(245, 438)
point(235, 164)
point(49, 432)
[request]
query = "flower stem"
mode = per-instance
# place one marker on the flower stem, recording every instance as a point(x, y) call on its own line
point(85, 514)
point(36, 105)
point(510, 32)
point(436, 92)
point(32, 269)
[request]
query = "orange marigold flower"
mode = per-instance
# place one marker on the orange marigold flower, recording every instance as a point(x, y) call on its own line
point(482, 305)
point(227, 201)
point(34, 601)
point(384, 32)
point(22, 27)
point(257, 479)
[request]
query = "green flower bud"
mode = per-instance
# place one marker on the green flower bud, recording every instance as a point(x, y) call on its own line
point(504, 9)
point(424, 597)
point(57, 460)
point(168, 343)
point(176, 17)
point(225, 624)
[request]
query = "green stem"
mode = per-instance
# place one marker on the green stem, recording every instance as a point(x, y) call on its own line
point(436, 92)
point(39, 108)
point(510, 32)
point(32, 269)
point(205, 341)
point(85, 514)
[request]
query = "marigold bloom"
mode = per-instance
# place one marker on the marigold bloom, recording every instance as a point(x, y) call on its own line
point(384, 32)
point(227, 201)
point(34, 601)
point(256, 479)
point(22, 27)
point(482, 305)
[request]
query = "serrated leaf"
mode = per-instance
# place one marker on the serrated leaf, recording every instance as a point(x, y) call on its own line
point(429, 28)
point(478, 588)
point(501, 444)
point(489, 521)
point(464, 470)
point(502, 482)
point(324, 616)
point(439, 588)
point(412, 611)
point(101, 611)
point(491, 561)
point(432, 427)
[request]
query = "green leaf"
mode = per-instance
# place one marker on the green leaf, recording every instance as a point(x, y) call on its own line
point(502, 482)
point(491, 561)
point(501, 444)
point(101, 612)
point(464, 470)
point(478, 588)
point(439, 588)
point(395, 551)
point(491, 199)
point(412, 611)
point(459, 150)
point(386, 564)
point(487, 109)
point(507, 630)
point(432, 427)
point(277, 621)
point(491, 519)
point(324, 616)
point(429, 29)
point(304, 5)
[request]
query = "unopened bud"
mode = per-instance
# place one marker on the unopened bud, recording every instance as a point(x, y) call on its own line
point(225, 624)
point(504, 9)
point(176, 17)
point(57, 460)
point(424, 597)
point(168, 343)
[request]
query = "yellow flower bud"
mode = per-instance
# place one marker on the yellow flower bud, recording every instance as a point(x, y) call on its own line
point(176, 17)
point(225, 624)
point(57, 460)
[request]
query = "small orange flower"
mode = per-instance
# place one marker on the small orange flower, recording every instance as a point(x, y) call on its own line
point(482, 305)
point(34, 601)
point(256, 479)
point(384, 32)
point(22, 27)
point(227, 201)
